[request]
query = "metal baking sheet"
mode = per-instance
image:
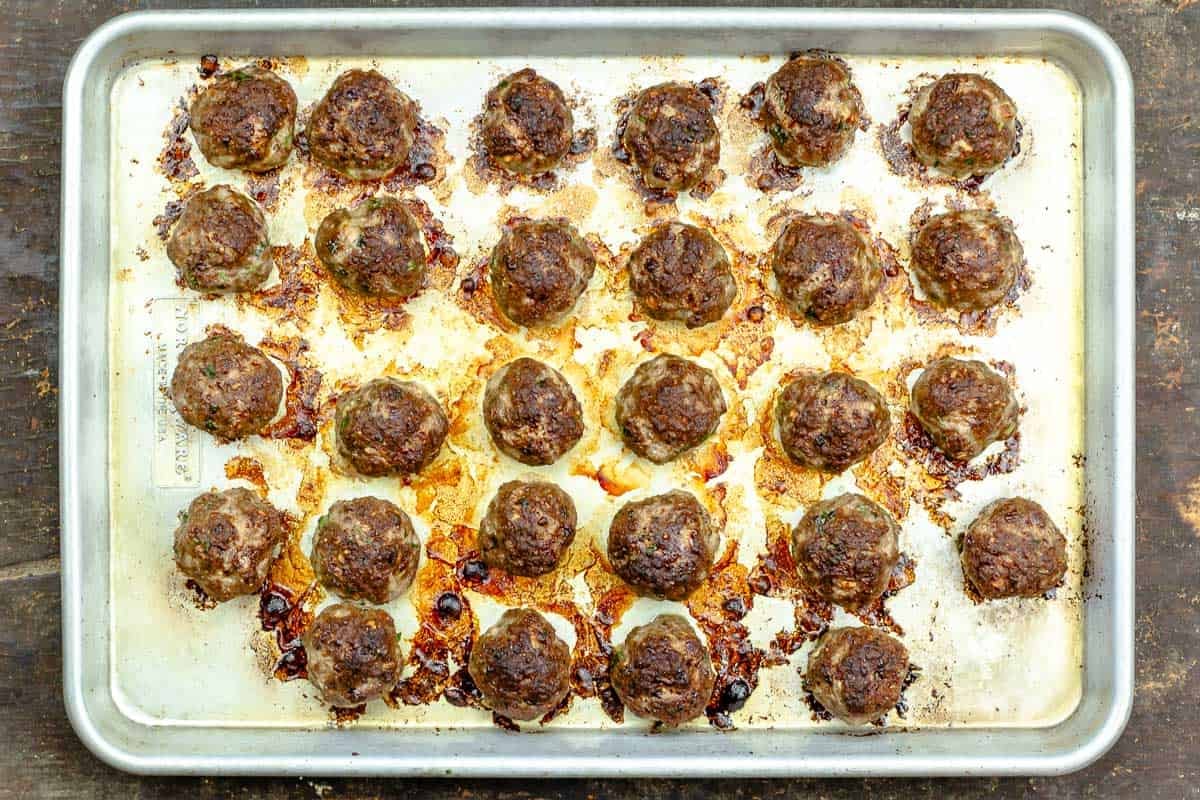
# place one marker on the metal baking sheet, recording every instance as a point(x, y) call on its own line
point(1021, 671)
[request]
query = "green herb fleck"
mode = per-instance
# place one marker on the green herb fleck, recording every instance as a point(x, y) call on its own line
point(778, 134)
point(209, 370)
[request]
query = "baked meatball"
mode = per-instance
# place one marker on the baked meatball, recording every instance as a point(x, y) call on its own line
point(531, 412)
point(527, 125)
point(245, 119)
point(857, 674)
point(963, 124)
point(226, 387)
point(663, 546)
point(366, 549)
point(521, 666)
point(227, 540)
point(374, 249)
point(826, 269)
point(967, 259)
point(538, 269)
point(671, 136)
point(964, 406)
point(667, 407)
point(390, 427)
point(811, 109)
point(353, 654)
point(681, 272)
point(527, 528)
point(662, 671)
point(363, 127)
point(831, 421)
point(219, 243)
point(845, 549)
point(1013, 549)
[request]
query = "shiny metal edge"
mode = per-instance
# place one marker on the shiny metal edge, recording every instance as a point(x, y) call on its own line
point(122, 744)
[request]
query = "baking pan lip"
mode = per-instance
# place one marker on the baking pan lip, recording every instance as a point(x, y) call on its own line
point(100, 735)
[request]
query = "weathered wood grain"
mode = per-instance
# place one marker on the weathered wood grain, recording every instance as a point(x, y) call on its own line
point(1159, 755)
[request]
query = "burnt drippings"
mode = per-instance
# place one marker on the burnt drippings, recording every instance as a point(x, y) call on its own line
point(916, 444)
point(347, 716)
point(719, 607)
point(441, 259)
point(175, 159)
point(426, 159)
point(594, 648)
point(295, 296)
point(208, 65)
point(282, 611)
point(170, 214)
point(770, 175)
point(914, 673)
point(299, 420)
point(200, 598)
point(264, 188)
point(753, 100)
point(441, 647)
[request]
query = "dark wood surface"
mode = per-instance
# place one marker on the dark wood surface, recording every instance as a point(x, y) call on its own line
point(1159, 756)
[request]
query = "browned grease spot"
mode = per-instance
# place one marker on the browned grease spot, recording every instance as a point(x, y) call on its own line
point(170, 213)
point(247, 469)
point(915, 443)
point(299, 421)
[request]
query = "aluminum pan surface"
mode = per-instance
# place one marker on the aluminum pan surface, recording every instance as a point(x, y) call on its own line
point(868, 768)
point(1007, 663)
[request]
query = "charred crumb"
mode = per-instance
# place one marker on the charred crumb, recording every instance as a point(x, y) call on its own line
point(504, 723)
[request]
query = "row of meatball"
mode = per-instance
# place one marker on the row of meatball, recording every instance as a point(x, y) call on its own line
point(670, 405)
point(366, 550)
point(962, 123)
point(826, 267)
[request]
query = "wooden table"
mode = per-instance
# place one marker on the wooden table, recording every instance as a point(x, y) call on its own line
point(1159, 755)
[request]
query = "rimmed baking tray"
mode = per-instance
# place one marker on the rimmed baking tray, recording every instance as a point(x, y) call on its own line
point(124, 740)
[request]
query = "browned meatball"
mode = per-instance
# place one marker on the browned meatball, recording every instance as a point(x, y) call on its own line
point(845, 549)
point(531, 412)
point(663, 546)
point(1013, 549)
point(538, 270)
point(964, 406)
point(219, 243)
point(227, 540)
point(390, 427)
point(667, 407)
point(363, 127)
point(353, 654)
point(527, 125)
point(811, 109)
point(963, 124)
point(672, 137)
point(245, 119)
point(967, 259)
point(662, 671)
point(374, 248)
point(366, 549)
point(527, 528)
point(826, 269)
point(521, 666)
point(226, 387)
point(681, 272)
point(857, 674)
point(831, 421)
